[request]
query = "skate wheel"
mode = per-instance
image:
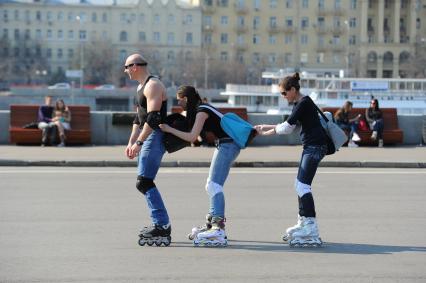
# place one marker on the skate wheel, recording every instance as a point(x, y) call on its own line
point(150, 242)
point(167, 241)
point(142, 242)
point(158, 242)
point(191, 236)
point(286, 238)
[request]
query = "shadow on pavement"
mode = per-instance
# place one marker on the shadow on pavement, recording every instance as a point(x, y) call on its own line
point(328, 247)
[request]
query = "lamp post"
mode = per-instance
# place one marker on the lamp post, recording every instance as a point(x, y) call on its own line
point(79, 19)
point(347, 49)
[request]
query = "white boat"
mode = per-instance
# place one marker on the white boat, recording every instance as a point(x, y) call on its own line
point(407, 95)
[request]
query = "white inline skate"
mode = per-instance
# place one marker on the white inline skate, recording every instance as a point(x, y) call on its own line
point(197, 230)
point(306, 235)
point(213, 237)
point(291, 229)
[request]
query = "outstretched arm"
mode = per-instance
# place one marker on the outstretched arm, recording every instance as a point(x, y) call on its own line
point(195, 131)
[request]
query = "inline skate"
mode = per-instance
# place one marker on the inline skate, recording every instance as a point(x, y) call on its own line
point(197, 230)
point(306, 235)
point(155, 234)
point(213, 237)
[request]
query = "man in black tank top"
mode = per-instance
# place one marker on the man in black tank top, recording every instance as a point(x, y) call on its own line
point(146, 143)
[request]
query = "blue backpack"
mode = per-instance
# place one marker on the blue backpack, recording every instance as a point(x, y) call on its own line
point(241, 131)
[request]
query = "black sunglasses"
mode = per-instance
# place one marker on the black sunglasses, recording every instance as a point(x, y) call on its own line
point(133, 64)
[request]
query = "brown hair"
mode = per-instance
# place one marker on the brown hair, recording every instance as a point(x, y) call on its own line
point(290, 81)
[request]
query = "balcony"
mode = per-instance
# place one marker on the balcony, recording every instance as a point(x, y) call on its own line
point(321, 29)
point(208, 28)
point(241, 28)
point(274, 29)
point(241, 47)
point(241, 9)
point(338, 48)
point(288, 29)
point(208, 9)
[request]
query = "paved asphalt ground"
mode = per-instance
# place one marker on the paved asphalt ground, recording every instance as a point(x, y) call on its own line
point(69, 224)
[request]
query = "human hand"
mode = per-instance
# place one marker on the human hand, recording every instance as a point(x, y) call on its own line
point(134, 150)
point(165, 128)
point(128, 150)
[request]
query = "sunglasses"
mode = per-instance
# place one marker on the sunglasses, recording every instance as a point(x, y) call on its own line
point(133, 64)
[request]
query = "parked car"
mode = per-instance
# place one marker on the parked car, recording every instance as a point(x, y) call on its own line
point(60, 86)
point(105, 87)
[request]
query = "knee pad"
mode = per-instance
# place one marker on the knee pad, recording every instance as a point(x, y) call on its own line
point(301, 188)
point(144, 184)
point(213, 188)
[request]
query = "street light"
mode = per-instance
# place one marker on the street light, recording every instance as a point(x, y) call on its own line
point(79, 19)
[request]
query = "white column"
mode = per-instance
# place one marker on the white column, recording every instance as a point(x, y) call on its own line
point(379, 66)
point(413, 16)
point(397, 9)
point(364, 21)
point(381, 20)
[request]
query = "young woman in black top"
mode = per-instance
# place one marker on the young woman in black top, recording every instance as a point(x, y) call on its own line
point(203, 119)
point(374, 117)
point(305, 232)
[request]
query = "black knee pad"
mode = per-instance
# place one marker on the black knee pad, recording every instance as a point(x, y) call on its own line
point(144, 184)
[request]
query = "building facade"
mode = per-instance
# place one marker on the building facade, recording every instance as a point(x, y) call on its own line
point(162, 30)
point(364, 38)
point(370, 38)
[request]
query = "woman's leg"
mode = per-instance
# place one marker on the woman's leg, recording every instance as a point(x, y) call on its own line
point(223, 158)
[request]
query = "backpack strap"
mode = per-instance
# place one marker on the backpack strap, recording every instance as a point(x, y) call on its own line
point(212, 109)
point(319, 111)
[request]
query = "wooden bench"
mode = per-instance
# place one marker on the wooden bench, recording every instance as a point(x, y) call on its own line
point(240, 111)
point(21, 115)
point(391, 133)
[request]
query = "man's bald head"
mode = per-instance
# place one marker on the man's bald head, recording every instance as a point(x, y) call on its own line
point(136, 59)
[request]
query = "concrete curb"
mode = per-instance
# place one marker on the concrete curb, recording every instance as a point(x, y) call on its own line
point(243, 164)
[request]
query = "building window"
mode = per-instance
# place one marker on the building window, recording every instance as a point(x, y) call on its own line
point(94, 17)
point(208, 38)
point(188, 38)
point(223, 3)
point(70, 53)
point(305, 22)
point(256, 39)
point(60, 16)
point(60, 53)
point(353, 4)
point(171, 56)
point(16, 15)
point(288, 38)
point(16, 34)
point(224, 56)
point(223, 38)
point(49, 34)
point(321, 4)
point(16, 51)
point(224, 20)
point(156, 19)
point(272, 58)
point(71, 17)
point(352, 40)
point(60, 34)
point(304, 39)
point(27, 15)
point(171, 19)
point(256, 5)
point(70, 34)
point(156, 37)
point(38, 15)
point(27, 34)
point(123, 55)
point(337, 4)
point(289, 4)
point(82, 35)
point(49, 16)
point(256, 58)
point(273, 22)
point(272, 39)
point(352, 22)
point(38, 34)
point(142, 36)
point(104, 18)
point(49, 52)
point(305, 4)
point(256, 22)
point(123, 36)
point(272, 4)
point(336, 58)
point(320, 57)
point(188, 20)
point(289, 22)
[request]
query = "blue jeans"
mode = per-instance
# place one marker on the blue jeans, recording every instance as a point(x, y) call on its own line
point(311, 157)
point(149, 161)
point(223, 157)
point(351, 127)
point(378, 126)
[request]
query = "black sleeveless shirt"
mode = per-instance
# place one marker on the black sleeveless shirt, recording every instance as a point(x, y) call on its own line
point(141, 103)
